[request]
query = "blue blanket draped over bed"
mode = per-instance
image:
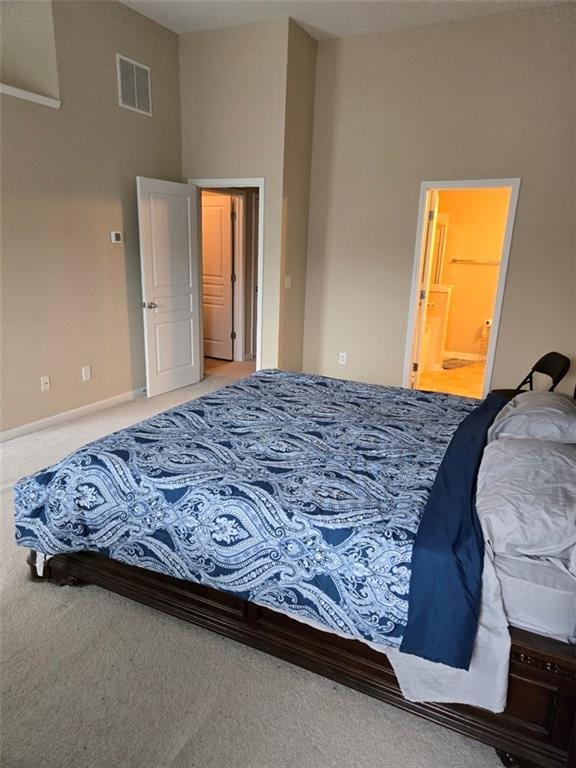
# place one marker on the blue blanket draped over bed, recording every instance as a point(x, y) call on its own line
point(447, 560)
point(297, 492)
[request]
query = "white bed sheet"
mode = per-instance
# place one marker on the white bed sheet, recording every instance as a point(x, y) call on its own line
point(539, 595)
point(485, 683)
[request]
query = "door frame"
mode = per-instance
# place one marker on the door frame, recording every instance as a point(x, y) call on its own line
point(237, 258)
point(425, 186)
point(239, 266)
point(235, 184)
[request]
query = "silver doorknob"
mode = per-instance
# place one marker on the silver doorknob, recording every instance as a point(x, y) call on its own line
point(152, 305)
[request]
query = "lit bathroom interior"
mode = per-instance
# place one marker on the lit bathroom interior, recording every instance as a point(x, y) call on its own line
point(467, 249)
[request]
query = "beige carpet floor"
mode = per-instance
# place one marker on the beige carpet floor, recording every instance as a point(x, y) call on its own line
point(93, 680)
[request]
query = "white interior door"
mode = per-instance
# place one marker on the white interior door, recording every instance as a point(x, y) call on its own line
point(217, 274)
point(426, 261)
point(168, 225)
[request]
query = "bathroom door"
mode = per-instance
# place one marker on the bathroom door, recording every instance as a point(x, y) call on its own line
point(425, 273)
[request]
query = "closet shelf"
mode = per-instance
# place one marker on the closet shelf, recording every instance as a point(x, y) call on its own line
point(37, 98)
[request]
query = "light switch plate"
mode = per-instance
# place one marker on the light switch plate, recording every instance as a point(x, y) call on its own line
point(117, 237)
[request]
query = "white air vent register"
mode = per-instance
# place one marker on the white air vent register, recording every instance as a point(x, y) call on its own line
point(134, 91)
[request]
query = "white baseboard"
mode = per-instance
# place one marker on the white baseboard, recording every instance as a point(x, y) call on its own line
point(75, 413)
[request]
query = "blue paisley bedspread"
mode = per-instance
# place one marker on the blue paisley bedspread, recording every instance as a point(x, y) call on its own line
point(296, 492)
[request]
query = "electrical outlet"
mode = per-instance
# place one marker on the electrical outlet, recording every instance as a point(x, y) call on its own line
point(343, 358)
point(44, 383)
point(86, 373)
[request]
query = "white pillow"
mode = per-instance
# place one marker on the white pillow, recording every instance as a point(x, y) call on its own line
point(526, 499)
point(537, 415)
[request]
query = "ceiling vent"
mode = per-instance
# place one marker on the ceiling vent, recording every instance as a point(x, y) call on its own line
point(134, 90)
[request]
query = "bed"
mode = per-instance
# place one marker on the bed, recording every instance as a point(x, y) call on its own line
point(294, 513)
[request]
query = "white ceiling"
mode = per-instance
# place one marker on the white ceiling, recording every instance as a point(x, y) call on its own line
point(323, 19)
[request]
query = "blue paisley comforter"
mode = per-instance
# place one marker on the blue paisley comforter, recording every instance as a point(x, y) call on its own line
point(297, 492)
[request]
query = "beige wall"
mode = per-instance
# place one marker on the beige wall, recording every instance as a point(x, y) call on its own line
point(233, 95)
point(476, 224)
point(296, 192)
point(489, 98)
point(482, 99)
point(27, 46)
point(70, 297)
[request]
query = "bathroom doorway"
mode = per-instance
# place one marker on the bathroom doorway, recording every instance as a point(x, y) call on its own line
point(463, 243)
point(232, 255)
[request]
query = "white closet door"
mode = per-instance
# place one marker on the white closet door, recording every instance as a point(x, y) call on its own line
point(217, 274)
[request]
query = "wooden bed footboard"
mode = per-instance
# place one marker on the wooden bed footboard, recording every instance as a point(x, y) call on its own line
point(538, 727)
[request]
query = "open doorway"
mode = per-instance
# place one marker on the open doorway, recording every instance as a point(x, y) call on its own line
point(463, 242)
point(229, 257)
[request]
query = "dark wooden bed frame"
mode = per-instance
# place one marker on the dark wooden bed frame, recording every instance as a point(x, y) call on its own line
point(538, 727)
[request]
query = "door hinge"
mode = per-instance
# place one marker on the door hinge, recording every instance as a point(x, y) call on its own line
point(233, 215)
point(431, 215)
point(422, 295)
point(414, 367)
point(233, 335)
point(233, 277)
